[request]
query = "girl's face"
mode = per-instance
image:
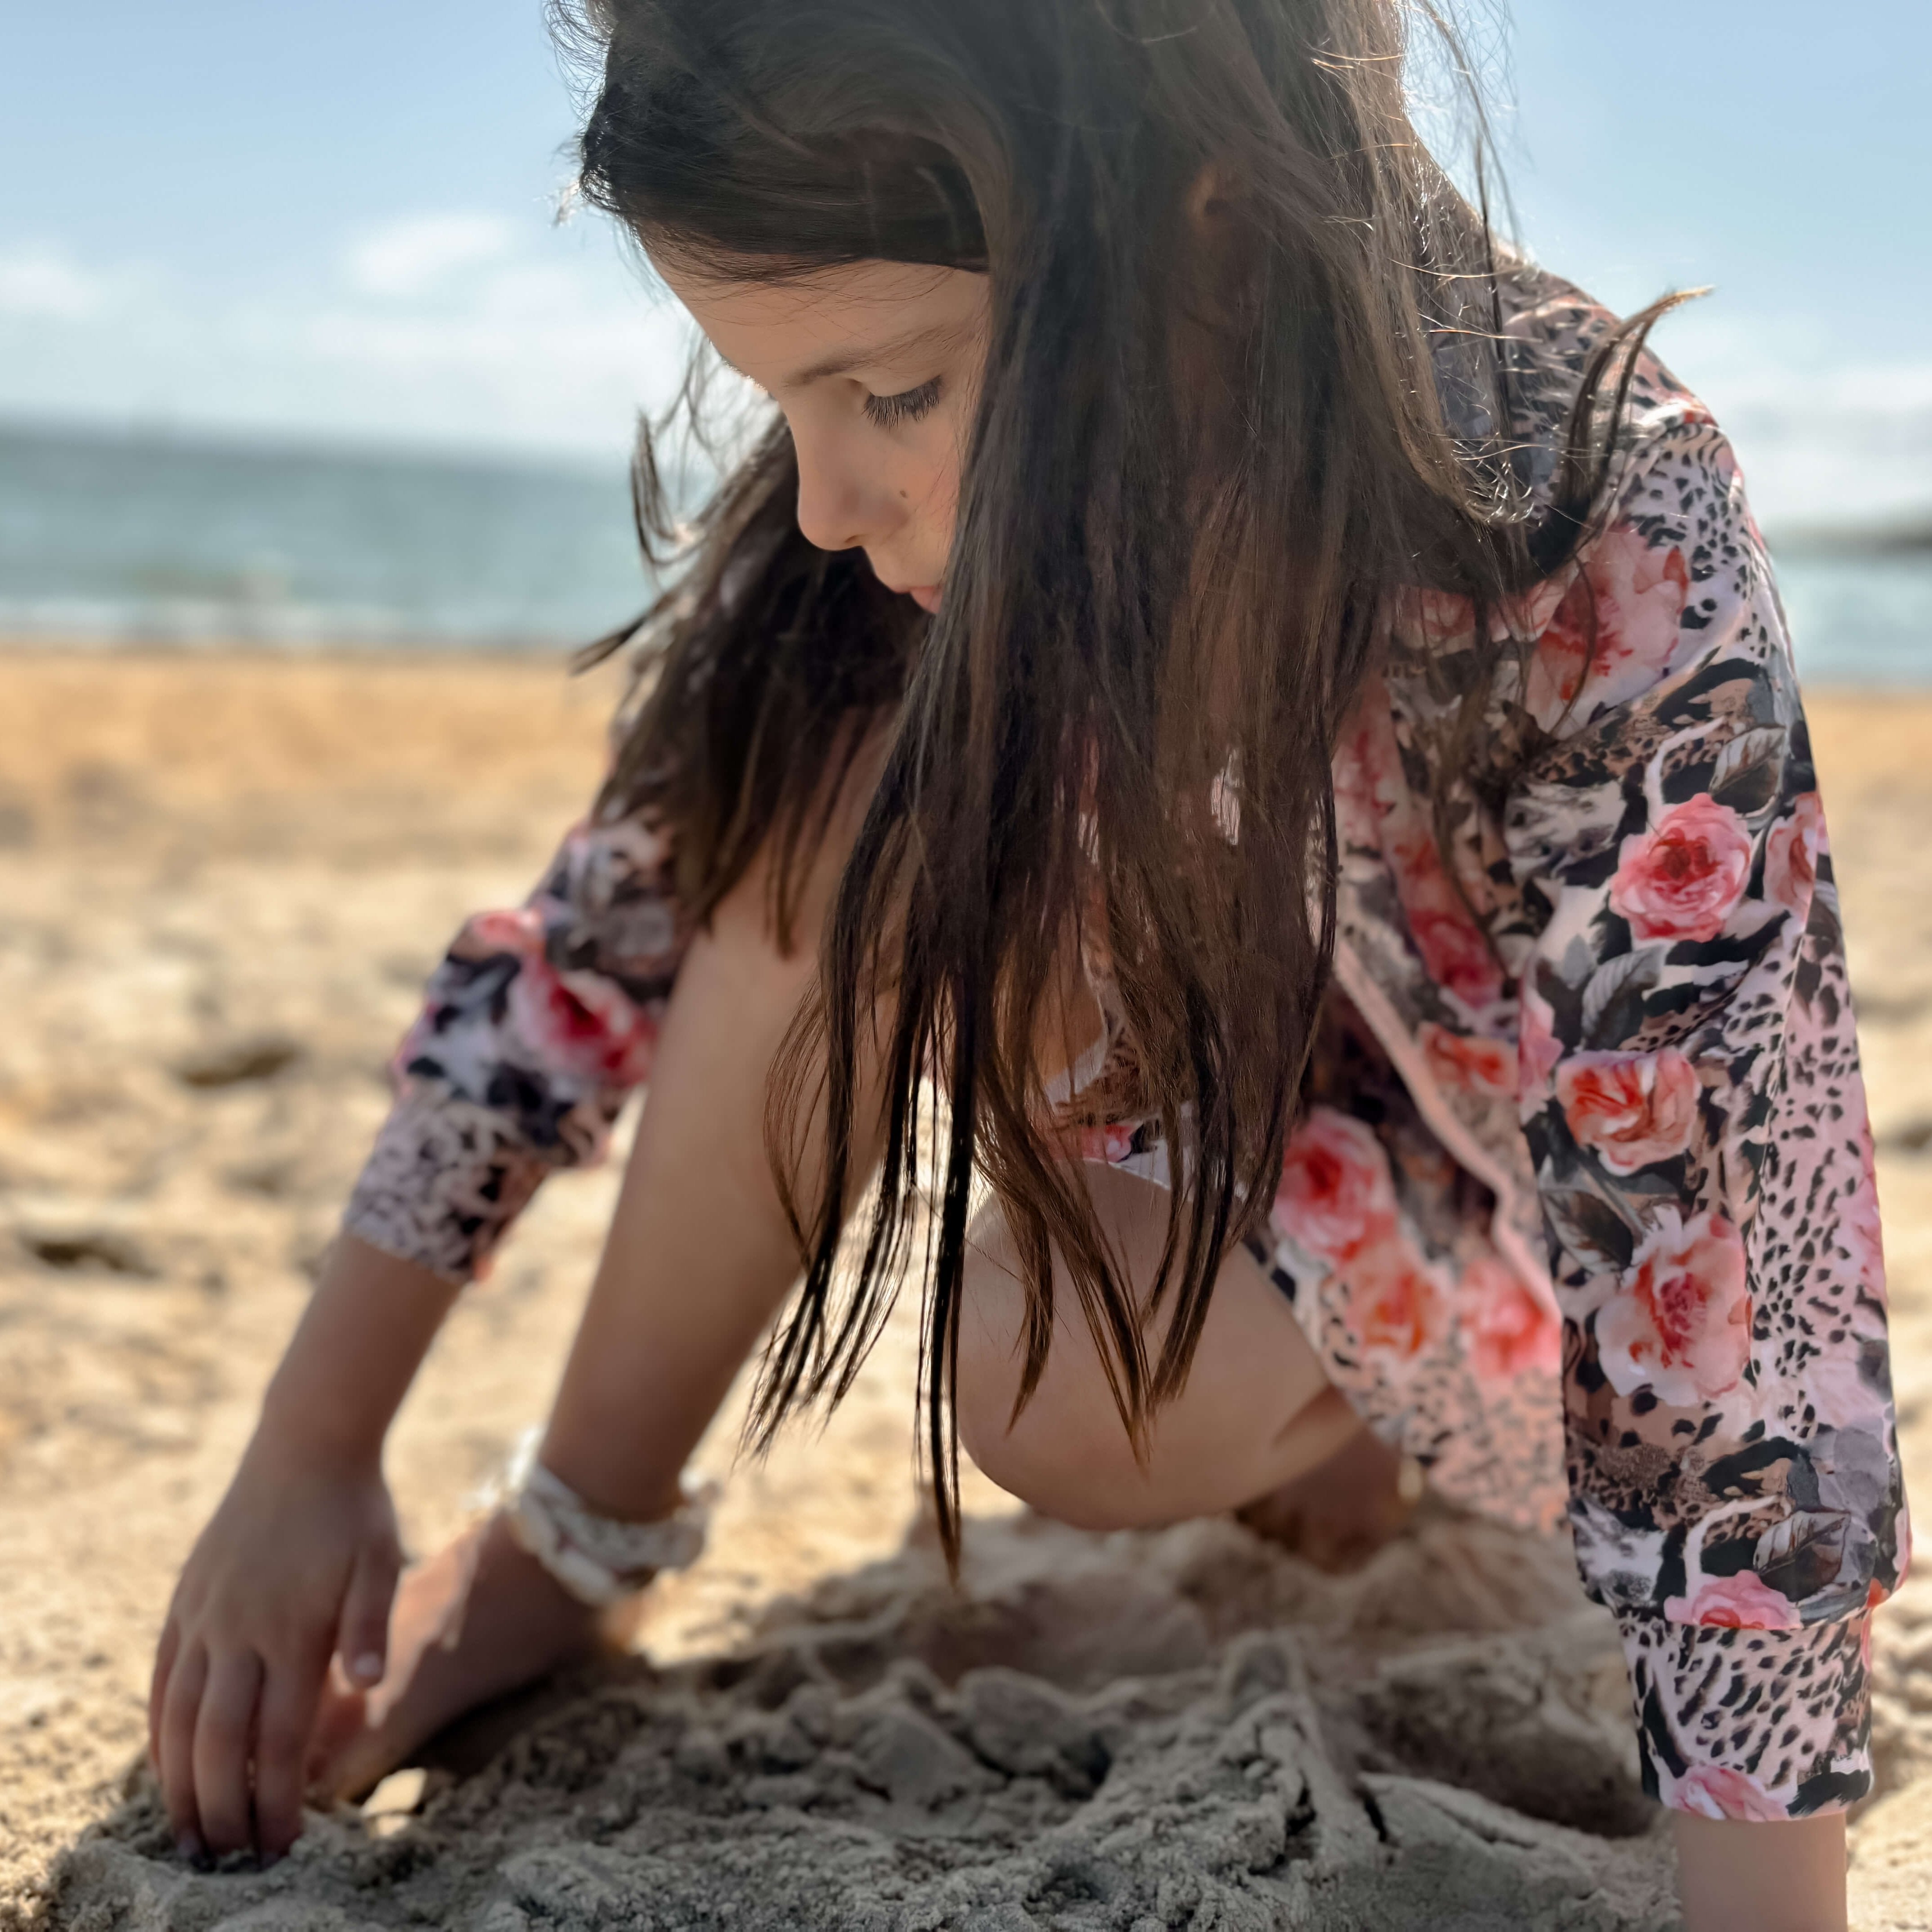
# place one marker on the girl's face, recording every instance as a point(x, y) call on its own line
point(876, 367)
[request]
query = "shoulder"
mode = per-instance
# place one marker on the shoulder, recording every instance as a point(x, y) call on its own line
point(1664, 610)
point(1556, 338)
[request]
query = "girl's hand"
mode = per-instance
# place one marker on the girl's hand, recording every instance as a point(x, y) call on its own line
point(298, 1564)
point(481, 1619)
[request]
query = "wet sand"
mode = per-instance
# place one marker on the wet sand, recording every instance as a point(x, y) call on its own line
point(223, 881)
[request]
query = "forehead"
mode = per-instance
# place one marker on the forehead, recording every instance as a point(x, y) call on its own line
point(805, 327)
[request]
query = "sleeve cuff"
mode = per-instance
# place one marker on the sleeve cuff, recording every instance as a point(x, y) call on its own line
point(443, 1186)
point(1757, 1725)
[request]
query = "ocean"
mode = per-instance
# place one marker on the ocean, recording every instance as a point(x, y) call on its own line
point(167, 540)
point(173, 540)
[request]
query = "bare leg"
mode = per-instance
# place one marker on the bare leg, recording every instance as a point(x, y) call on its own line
point(1339, 1513)
point(1257, 1413)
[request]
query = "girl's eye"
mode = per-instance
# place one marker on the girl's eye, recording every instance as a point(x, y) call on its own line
point(908, 406)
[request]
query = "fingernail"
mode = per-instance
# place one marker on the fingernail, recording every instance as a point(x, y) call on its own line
point(367, 1669)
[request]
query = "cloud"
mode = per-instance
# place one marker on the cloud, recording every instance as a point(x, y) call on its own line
point(41, 282)
point(418, 254)
point(463, 328)
point(1822, 439)
point(468, 328)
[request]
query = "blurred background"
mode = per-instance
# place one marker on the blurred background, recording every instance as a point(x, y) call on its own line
point(294, 348)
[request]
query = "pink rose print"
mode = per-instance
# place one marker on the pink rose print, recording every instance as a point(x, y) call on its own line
point(1366, 769)
point(1630, 1109)
point(1613, 633)
point(1435, 619)
point(1335, 1189)
point(1507, 1331)
point(1743, 1602)
point(1537, 1048)
point(582, 1025)
point(1791, 855)
point(1679, 1323)
point(520, 931)
point(1452, 947)
point(1715, 1791)
point(1680, 879)
point(1112, 1143)
point(1397, 1307)
point(1469, 1062)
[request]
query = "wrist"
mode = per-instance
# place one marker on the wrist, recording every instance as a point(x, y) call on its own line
point(1787, 1876)
point(602, 1561)
point(294, 1436)
point(371, 1319)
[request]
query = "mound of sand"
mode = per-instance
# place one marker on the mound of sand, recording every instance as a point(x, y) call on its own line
point(220, 883)
point(1178, 1728)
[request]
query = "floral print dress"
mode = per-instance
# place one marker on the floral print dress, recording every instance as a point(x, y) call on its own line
point(1581, 1214)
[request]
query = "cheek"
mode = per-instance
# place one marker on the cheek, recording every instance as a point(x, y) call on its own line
point(929, 484)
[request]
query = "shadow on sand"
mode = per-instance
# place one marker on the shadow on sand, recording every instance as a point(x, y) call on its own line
point(1184, 1727)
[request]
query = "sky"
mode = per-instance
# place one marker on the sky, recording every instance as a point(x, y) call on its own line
point(336, 220)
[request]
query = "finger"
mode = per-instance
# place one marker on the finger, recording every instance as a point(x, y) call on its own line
point(362, 1634)
point(285, 1720)
point(341, 1717)
point(222, 1732)
point(183, 1706)
point(165, 1652)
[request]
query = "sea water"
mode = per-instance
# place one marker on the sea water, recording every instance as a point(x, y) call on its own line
point(173, 540)
point(159, 540)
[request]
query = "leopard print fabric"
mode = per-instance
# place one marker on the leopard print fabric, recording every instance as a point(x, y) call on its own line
point(1581, 1212)
point(537, 1024)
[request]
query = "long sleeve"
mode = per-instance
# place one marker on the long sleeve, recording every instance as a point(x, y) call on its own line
point(1690, 1095)
point(536, 1026)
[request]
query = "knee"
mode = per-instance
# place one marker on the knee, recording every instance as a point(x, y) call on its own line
point(1066, 1454)
point(1247, 1418)
point(1049, 1466)
point(990, 1360)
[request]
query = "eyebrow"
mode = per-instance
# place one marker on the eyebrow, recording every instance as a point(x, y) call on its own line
point(844, 360)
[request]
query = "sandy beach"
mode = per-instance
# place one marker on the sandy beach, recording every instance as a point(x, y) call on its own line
point(224, 879)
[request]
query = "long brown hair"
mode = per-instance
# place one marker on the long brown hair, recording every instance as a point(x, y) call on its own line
point(1162, 594)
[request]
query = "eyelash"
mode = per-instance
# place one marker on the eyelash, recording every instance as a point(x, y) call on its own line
point(908, 406)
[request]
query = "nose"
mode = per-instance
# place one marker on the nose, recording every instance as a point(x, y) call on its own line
point(838, 508)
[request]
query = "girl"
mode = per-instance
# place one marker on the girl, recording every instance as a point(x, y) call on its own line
point(1272, 709)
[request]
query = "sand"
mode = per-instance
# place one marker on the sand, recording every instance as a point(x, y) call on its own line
point(224, 879)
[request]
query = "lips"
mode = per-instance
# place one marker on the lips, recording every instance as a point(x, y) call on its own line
point(926, 595)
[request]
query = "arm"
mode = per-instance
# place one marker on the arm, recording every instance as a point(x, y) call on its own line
point(699, 1256)
point(1734, 1877)
point(698, 1261)
point(1690, 1095)
point(537, 1024)
point(299, 1561)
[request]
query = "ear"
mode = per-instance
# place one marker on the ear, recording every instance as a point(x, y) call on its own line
point(1213, 207)
point(1211, 201)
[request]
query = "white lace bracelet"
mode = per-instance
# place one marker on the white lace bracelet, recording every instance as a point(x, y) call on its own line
point(599, 1559)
